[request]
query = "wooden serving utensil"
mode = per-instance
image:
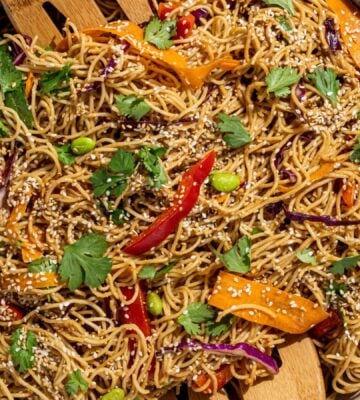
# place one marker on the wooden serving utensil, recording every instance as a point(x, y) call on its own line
point(31, 17)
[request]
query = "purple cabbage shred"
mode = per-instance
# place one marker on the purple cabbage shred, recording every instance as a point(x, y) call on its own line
point(325, 219)
point(287, 174)
point(332, 35)
point(17, 52)
point(307, 137)
point(280, 154)
point(300, 91)
point(200, 14)
point(274, 208)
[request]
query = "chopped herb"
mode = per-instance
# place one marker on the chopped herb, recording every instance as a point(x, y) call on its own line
point(150, 272)
point(238, 258)
point(326, 83)
point(150, 157)
point(118, 216)
point(16, 100)
point(337, 288)
point(160, 33)
point(285, 4)
point(83, 262)
point(22, 349)
point(279, 81)
point(339, 267)
point(53, 81)
point(285, 24)
point(43, 264)
point(132, 106)
point(255, 231)
point(358, 115)
point(306, 256)
point(65, 154)
point(196, 314)
point(213, 328)
point(114, 178)
point(355, 154)
point(4, 131)
point(75, 383)
point(236, 135)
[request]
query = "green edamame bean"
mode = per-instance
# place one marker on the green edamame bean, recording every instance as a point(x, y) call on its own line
point(224, 181)
point(115, 394)
point(82, 145)
point(154, 303)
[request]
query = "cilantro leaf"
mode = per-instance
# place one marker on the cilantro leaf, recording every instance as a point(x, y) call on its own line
point(10, 76)
point(285, 4)
point(238, 258)
point(132, 106)
point(16, 99)
point(337, 288)
point(285, 24)
point(213, 328)
point(160, 33)
point(355, 154)
point(339, 267)
point(236, 135)
point(118, 216)
point(326, 83)
point(122, 162)
point(75, 383)
point(65, 154)
point(53, 81)
point(4, 131)
point(43, 264)
point(150, 272)
point(255, 231)
point(150, 157)
point(190, 327)
point(306, 256)
point(279, 79)
point(21, 349)
point(83, 262)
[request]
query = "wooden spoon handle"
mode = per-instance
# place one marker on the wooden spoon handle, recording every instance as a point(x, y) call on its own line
point(138, 11)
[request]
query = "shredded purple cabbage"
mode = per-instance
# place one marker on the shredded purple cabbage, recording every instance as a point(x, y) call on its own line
point(338, 185)
point(287, 174)
point(200, 14)
point(17, 52)
point(237, 350)
point(325, 219)
point(280, 154)
point(332, 35)
point(300, 91)
point(5, 177)
point(274, 208)
point(307, 137)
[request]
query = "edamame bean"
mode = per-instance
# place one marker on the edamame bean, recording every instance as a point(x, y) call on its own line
point(224, 181)
point(115, 394)
point(82, 145)
point(154, 303)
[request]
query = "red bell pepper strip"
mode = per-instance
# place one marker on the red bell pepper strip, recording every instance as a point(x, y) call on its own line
point(165, 9)
point(223, 376)
point(329, 324)
point(185, 199)
point(184, 26)
point(136, 312)
point(10, 312)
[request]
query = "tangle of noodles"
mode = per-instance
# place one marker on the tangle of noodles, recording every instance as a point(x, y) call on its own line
point(77, 330)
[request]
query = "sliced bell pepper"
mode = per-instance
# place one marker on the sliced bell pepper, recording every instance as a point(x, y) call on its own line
point(135, 313)
point(348, 195)
point(349, 19)
point(10, 312)
point(329, 324)
point(164, 9)
point(134, 35)
point(30, 80)
point(185, 199)
point(223, 376)
point(28, 281)
point(265, 304)
point(184, 26)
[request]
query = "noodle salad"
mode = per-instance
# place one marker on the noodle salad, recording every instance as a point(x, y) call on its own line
point(178, 198)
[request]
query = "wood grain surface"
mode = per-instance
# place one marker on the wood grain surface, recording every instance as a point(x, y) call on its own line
point(138, 11)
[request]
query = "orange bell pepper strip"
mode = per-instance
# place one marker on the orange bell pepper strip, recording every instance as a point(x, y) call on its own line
point(349, 20)
point(29, 83)
point(265, 304)
point(348, 195)
point(32, 250)
point(134, 35)
point(28, 281)
point(223, 376)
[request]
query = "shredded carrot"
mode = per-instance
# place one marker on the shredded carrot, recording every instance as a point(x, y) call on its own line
point(223, 376)
point(29, 83)
point(348, 195)
point(134, 35)
point(349, 21)
point(265, 304)
point(29, 281)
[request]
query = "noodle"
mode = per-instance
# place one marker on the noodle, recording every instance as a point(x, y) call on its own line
point(79, 329)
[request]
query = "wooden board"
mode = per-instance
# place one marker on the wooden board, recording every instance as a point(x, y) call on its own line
point(138, 11)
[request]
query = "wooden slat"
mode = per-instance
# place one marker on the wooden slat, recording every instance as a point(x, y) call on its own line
point(199, 396)
point(138, 11)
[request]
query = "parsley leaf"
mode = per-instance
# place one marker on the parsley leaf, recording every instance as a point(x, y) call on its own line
point(75, 383)
point(159, 33)
point(150, 272)
point(306, 256)
point(326, 83)
point(279, 79)
point(132, 106)
point(238, 258)
point(339, 267)
point(285, 4)
point(196, 314)
point(4, 131)
point(43, 264)
point(150, 157)
point(21, 349)
point(285, 24)
point(83, 262)
point(213, 328)
point(65, 154)
point(236, 135)
point(355, 154)
point(53, 81)
point(114, 177)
